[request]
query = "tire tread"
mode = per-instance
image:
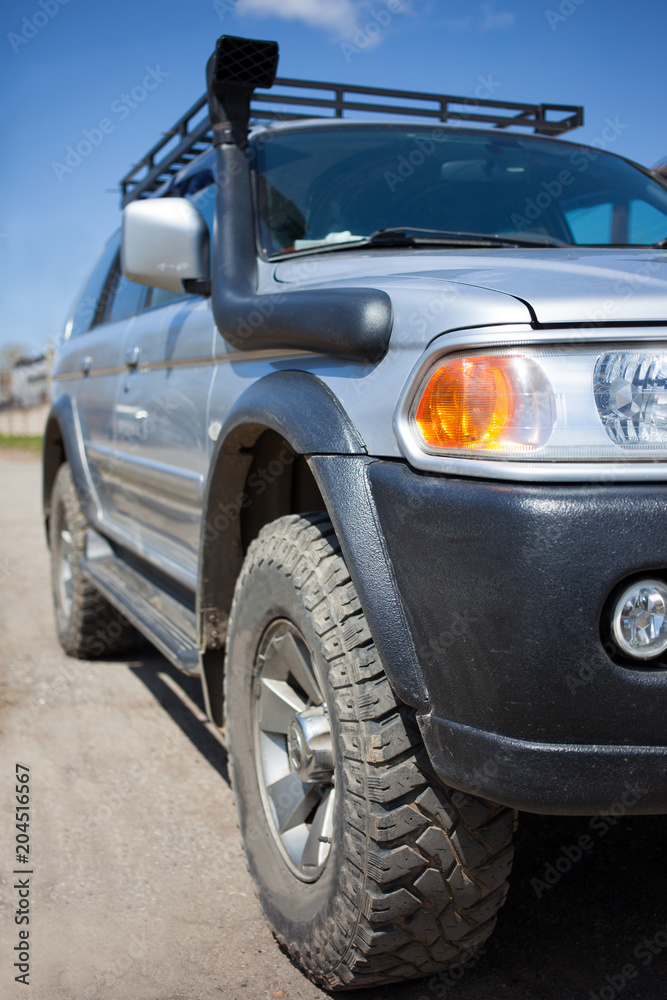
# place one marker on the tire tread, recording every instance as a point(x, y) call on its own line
point(95, 628)
point(425, 866)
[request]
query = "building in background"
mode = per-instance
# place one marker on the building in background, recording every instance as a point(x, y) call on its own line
point(29, 384)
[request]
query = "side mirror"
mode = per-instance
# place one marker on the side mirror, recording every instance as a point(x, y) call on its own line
point(165, 243)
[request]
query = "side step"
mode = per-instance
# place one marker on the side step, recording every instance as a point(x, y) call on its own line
point(165, 621)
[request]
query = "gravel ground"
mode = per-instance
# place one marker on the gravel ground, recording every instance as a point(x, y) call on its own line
point(139, 889)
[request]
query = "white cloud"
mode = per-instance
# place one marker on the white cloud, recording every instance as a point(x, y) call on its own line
point(488, 19)
point(337, 16)
point(492, 19)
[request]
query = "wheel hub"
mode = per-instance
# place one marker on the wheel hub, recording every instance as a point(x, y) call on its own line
point(65, 570)
point(309, 745)
point(295, 758)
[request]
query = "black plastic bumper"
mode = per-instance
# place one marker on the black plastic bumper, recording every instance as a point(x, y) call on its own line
point(505, 590)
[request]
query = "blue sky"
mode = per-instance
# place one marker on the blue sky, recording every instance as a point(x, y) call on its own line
point(67, 65)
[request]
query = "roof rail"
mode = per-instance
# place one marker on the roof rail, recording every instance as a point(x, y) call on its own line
point(196, 135)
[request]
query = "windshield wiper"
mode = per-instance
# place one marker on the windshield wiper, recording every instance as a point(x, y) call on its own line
point(400, 236)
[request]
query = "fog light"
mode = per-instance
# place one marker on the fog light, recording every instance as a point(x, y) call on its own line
point(640, 619)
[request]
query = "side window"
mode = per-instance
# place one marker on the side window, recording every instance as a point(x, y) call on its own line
point(647, 224)
point(592, 223)
point(200, 190)
point(161, 297)
point(87, 308)
point(202, 195)
point(123, 298)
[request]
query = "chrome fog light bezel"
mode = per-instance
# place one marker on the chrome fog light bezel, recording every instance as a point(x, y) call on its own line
point(651, 652)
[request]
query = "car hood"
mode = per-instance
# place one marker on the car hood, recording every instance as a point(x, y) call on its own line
point(568, 285)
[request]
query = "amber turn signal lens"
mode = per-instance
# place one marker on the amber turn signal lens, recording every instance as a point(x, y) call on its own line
point(468, 403)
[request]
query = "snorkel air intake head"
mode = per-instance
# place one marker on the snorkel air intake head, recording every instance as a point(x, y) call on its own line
point(237, 67)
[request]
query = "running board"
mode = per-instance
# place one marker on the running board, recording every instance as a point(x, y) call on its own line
point(164, 620)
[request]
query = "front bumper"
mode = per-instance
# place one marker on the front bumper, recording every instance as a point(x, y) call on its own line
point(505, 588)
point(554, 778)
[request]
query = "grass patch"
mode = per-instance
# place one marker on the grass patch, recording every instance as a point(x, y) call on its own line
point(21, 442)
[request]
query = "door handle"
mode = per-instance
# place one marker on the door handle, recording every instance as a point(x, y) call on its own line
point(86, 364)
point(132, 356)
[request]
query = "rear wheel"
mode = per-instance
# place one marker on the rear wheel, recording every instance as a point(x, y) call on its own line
point(88, 626)
point(368, 870)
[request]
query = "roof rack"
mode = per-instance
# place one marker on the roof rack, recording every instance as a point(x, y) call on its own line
point(196, 136)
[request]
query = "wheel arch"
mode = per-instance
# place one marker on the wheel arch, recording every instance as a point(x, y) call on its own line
point(62, 443)
point(293, 419)
point(53, 456)
point(260, 471)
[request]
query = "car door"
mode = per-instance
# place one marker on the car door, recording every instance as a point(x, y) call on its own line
point(162, 428)
point(91, 364)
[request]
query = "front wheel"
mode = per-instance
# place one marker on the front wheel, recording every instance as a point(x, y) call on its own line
point(367, 869)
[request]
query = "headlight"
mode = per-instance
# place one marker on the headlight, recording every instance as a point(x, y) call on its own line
point(486, 403)
point(593, 403)
point(631, 397)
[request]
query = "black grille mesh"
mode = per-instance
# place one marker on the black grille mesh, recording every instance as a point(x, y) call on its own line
point(245, 62)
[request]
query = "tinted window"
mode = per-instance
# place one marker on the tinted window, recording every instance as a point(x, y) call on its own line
point(591, 224)
point(124, 297)
point(87, 307)
point(162, 297)
point(319, 186)
point(646, 224)
point(202, 194)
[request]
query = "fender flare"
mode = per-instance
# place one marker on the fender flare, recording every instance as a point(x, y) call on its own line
point(303, 410)
point(63, 440)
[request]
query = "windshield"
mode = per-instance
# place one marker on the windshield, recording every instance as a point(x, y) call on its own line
point(320, 187)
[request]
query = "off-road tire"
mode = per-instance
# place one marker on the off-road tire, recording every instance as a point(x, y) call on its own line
point(416, 872)
point(91, 628)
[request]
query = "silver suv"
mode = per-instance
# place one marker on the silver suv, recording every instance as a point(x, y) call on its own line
point(364, 421)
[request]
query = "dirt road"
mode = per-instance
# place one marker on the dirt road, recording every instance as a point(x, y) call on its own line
point(139, 889)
